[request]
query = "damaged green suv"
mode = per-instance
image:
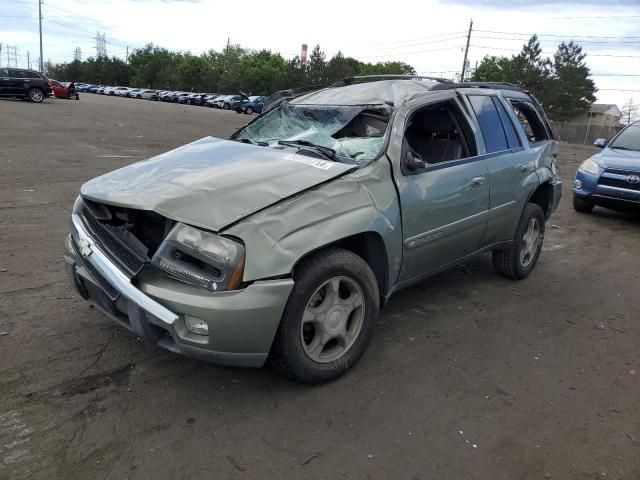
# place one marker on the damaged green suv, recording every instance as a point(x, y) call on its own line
point(284, 241)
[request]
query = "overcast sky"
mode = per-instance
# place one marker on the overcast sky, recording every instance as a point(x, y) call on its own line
point(428, 34)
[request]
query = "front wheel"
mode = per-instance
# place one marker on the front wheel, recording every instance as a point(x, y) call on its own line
point(582, 205)
point(248, 110)
point(329, 318)
point(36, 95)
point(521, 257)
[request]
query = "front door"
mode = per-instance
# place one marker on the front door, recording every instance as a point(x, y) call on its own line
point(5, 82)
point(445, 201)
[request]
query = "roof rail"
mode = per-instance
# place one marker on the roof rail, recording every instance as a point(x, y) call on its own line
point(493, 85)
point(278, 97)
point(377, 78)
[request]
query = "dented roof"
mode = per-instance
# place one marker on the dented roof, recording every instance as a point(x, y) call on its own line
point(371, 93)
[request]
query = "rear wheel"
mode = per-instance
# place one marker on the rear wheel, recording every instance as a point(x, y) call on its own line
point(248, 110)
point(521, 257)
point(582, 205)
point(36, 95)
point(329, 318)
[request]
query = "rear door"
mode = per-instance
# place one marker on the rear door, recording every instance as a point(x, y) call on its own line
point(16, 84)
point(511, 165)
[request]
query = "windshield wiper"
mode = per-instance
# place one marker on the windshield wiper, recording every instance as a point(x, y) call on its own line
point(326, 152)
point(248, 140)
point(624, 148)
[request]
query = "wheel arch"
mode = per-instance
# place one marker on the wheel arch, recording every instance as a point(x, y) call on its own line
point(367, 245)
point(543, 197)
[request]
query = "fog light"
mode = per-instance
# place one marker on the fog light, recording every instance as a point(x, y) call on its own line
point(577, 184)
point(196, 325)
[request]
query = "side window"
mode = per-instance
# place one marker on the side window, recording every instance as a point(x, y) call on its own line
point(4, 72)
point(31, 75)
point(439, 133)
point(490, 124)
point(16, 73)
point(512, 137)
point(530, 121)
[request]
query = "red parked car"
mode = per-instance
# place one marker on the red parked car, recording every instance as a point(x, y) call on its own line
point(64, 90)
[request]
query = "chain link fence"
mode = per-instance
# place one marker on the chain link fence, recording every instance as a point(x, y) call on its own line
point(581, 133)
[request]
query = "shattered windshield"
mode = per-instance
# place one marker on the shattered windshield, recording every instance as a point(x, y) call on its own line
point(355, 132)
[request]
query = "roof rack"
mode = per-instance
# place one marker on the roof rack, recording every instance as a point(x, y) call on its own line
point(492, 85)
point(376, 78)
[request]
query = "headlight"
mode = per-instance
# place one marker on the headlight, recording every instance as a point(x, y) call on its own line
point(201, 258)
point(590, 166)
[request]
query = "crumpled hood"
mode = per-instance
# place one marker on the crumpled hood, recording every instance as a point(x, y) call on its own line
point(622, 159)
point(212, 183)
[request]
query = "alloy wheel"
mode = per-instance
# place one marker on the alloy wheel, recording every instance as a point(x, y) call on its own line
point(530, 242)
point(332, 319)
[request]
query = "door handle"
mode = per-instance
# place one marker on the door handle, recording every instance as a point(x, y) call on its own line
point(527, 167)
point(477, 182)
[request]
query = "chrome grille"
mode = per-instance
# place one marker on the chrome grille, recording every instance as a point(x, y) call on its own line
point(128, 261)
point(109, 289)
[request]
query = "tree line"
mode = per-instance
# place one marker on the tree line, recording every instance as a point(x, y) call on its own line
point(562, 83)
point(233, 69)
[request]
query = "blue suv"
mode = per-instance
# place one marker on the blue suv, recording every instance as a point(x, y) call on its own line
point(611, 178)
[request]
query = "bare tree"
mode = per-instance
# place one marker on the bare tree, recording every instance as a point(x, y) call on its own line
point(630, 112)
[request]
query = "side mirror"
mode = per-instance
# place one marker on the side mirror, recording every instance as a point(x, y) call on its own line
point(414, 161)
point(601, 142)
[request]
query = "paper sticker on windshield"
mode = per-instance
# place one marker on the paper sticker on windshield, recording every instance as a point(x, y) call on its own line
point(312, 162)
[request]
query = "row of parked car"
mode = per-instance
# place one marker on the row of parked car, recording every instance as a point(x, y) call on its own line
point(241, 103)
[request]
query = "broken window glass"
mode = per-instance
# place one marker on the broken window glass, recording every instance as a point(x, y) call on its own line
point(355, 132)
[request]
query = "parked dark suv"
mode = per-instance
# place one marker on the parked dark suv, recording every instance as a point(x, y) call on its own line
point(25, 84)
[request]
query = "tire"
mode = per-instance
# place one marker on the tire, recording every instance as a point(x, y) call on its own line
point(248, 110)
point(35, 95)
point(226, 106)
point(582, 205)
point(520, 258)
point(315, 355)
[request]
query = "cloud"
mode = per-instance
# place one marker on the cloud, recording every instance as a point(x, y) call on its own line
point(501, 4)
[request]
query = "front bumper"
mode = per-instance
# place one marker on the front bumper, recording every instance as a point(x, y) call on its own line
point(242, 323)
point(592, 189)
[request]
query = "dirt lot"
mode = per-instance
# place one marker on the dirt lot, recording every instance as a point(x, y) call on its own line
point(469, 375)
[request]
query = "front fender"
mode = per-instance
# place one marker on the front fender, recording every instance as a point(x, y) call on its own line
point(362, 201)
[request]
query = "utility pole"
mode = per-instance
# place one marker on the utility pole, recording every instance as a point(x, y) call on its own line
point(28, 60)
point(466, 52)
point(40, 25)
point(126, 58)
point(12, 56)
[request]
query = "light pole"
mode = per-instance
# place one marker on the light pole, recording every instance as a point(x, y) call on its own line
point(40, 24)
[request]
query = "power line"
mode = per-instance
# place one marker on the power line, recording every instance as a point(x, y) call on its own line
point(634, 42)
point(411, 53)
point(550, 53)
point(552, 35)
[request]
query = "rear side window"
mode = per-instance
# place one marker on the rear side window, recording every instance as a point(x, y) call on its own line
point(509, 130)
point(530, 121)
point(490, 124)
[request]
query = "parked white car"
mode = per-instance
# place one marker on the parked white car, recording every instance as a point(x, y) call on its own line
point(120, 91)
point(148, 94)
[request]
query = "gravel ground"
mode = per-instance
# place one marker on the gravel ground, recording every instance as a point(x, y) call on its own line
point(469, 375)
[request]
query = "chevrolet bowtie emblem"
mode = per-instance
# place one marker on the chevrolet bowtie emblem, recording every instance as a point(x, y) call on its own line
point(85, 247)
